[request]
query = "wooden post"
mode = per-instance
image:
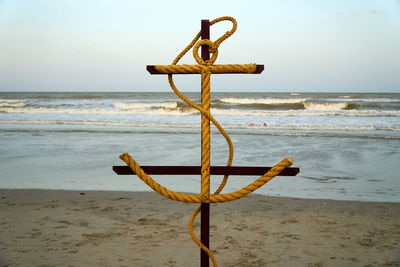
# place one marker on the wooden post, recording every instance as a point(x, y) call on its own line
point(205, 207)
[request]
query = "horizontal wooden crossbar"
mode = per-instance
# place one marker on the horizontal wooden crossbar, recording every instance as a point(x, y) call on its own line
point(214, 170)
point(259, 68)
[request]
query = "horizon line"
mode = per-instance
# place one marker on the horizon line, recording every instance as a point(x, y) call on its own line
point(240, 92)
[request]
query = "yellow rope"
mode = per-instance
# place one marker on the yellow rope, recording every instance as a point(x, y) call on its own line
point(206, 68)
point(215, 198)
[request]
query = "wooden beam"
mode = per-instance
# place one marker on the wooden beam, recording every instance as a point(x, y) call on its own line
point(214, 170)
point(259, 68)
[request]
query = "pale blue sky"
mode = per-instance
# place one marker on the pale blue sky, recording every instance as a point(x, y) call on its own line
point(104, 45)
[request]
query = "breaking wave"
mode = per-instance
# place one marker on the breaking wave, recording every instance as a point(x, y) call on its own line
point(287, 104)
point(170, 105)
point(267, 101)
point(328, 106)
point(159, 111)
point(185, 110)
point(12, 103)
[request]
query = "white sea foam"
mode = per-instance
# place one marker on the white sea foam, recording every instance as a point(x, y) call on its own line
point(334, 128)
point(171, 105)
point(290, 113)
point(267, 101)
point(323, 111)
point(12, 103)
point(41, 110)
point(227, 126)
point(10, 100)
point(325, 106)
point(102, 123)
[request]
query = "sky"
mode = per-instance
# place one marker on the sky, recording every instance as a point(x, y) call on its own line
point(105, 45)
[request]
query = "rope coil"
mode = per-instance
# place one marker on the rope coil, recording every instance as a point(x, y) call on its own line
point(206, 68)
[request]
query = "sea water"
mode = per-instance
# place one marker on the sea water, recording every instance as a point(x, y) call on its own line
point(346, 145)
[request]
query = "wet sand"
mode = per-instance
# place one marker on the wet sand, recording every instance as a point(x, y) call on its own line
point(104, 228)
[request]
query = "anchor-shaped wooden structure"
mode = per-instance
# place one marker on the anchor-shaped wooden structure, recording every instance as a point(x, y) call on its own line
point(205, 68)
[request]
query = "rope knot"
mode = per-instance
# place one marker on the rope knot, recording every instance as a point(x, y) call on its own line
point(212, 46)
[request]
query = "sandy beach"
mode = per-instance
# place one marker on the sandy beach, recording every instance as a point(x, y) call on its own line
point(104, 228)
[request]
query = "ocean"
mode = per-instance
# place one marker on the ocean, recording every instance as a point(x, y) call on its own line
point(347, 145)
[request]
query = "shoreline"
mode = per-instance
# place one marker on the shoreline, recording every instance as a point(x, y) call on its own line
point(117, 228)
point(101, 191)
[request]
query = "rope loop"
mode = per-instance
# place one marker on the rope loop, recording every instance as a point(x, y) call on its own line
point(210, 44)
point(227, 34)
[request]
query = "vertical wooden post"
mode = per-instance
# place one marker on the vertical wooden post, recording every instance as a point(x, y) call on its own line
point(205, 207)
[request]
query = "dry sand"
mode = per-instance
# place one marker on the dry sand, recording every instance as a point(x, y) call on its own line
point(92, 228)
